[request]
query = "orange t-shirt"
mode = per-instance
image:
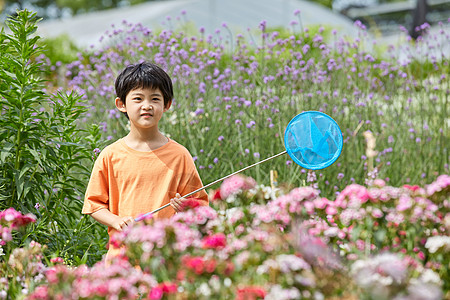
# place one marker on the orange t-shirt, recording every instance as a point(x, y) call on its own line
point(128, 182)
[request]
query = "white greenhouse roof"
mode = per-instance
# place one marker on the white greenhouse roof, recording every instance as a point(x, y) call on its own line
point(239, 15)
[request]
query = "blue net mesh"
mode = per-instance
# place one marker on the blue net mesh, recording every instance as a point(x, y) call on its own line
point(313, 140)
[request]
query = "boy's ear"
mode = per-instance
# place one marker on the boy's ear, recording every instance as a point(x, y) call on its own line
point(120, 105)
point(166, 108)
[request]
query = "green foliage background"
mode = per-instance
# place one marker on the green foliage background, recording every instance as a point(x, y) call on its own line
point(45, 157)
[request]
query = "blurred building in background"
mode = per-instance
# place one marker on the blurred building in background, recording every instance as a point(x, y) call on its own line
point(85, 21)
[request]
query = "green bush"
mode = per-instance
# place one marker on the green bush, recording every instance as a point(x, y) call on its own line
point(45, 157)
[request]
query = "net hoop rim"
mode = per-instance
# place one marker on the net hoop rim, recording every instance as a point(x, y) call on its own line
point(320, 166)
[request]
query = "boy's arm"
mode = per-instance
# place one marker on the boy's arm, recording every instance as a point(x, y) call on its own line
point(105, 217)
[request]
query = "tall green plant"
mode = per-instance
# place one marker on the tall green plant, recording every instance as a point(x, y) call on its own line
point(45, 157)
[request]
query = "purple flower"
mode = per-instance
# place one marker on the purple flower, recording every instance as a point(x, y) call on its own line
point(199, 111)
point(262, 25)
point(220, 138)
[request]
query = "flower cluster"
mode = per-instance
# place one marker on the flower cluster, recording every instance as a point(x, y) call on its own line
point(10, 220)
point(234, 185)
point(120, 280)
point(292, 247)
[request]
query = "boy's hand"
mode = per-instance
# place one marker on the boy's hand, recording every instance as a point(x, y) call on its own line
point(122, 222)
point(177, 203)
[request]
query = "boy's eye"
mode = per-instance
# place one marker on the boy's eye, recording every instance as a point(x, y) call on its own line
point(137, 98)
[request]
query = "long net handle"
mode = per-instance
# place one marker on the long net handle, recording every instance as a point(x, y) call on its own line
point(141, 217)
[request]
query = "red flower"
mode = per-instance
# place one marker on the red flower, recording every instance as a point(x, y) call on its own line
point(194, 263)
point(229, 268)
point(168, 288)
point(210, 265)
point(190, 203)
point(215, 241)
point(411, 187)
point(199, 265)
point(216, 195)
point(250, 293)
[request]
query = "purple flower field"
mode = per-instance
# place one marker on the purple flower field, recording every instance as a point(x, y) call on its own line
point(234, 96)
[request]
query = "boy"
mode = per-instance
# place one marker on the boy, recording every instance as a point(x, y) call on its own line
point(143, 170)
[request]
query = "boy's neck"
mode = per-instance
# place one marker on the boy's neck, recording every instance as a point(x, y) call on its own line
point(145, 140)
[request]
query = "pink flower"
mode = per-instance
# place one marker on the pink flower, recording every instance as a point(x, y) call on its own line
point(320, 203)
point(352, 192)
point(421, 255)
point(215, 241)
point(57, 260)
point(441, 183)
point(405, 202)
point(304, 193)
point(41, 292)
point(16, 219)
point(379, 182)
point(6, 234)
point(377, 213)
point(331, 210)
point(235, 184)
point(156, 293)
point(52, 275)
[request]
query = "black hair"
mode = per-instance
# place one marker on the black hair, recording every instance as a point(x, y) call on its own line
point(144, 75)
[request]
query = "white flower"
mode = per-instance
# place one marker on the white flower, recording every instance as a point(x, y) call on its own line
point(204, 289)
point(422, 291)
point(380, 271)
point(434, 243)
point(291, 262)
point(227, 282)
point(332, 231)
point(278, 293)
point(429, 276)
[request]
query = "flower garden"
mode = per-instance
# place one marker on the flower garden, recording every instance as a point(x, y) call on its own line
point(374, 225)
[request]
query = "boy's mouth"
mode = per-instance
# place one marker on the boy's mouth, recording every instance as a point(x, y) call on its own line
point(146, 115)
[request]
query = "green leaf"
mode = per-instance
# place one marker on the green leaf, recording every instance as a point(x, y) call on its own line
point(5, 151)
point(380, 235)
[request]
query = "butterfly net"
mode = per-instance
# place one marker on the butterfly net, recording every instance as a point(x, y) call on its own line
point(313, 140)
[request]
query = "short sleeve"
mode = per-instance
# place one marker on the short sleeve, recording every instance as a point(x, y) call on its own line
point(97, 193)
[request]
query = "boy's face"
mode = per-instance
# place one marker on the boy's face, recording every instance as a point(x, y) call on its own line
point(144, 107)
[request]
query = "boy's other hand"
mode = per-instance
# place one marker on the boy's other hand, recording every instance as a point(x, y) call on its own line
point(122, 222)
point(177, 203)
